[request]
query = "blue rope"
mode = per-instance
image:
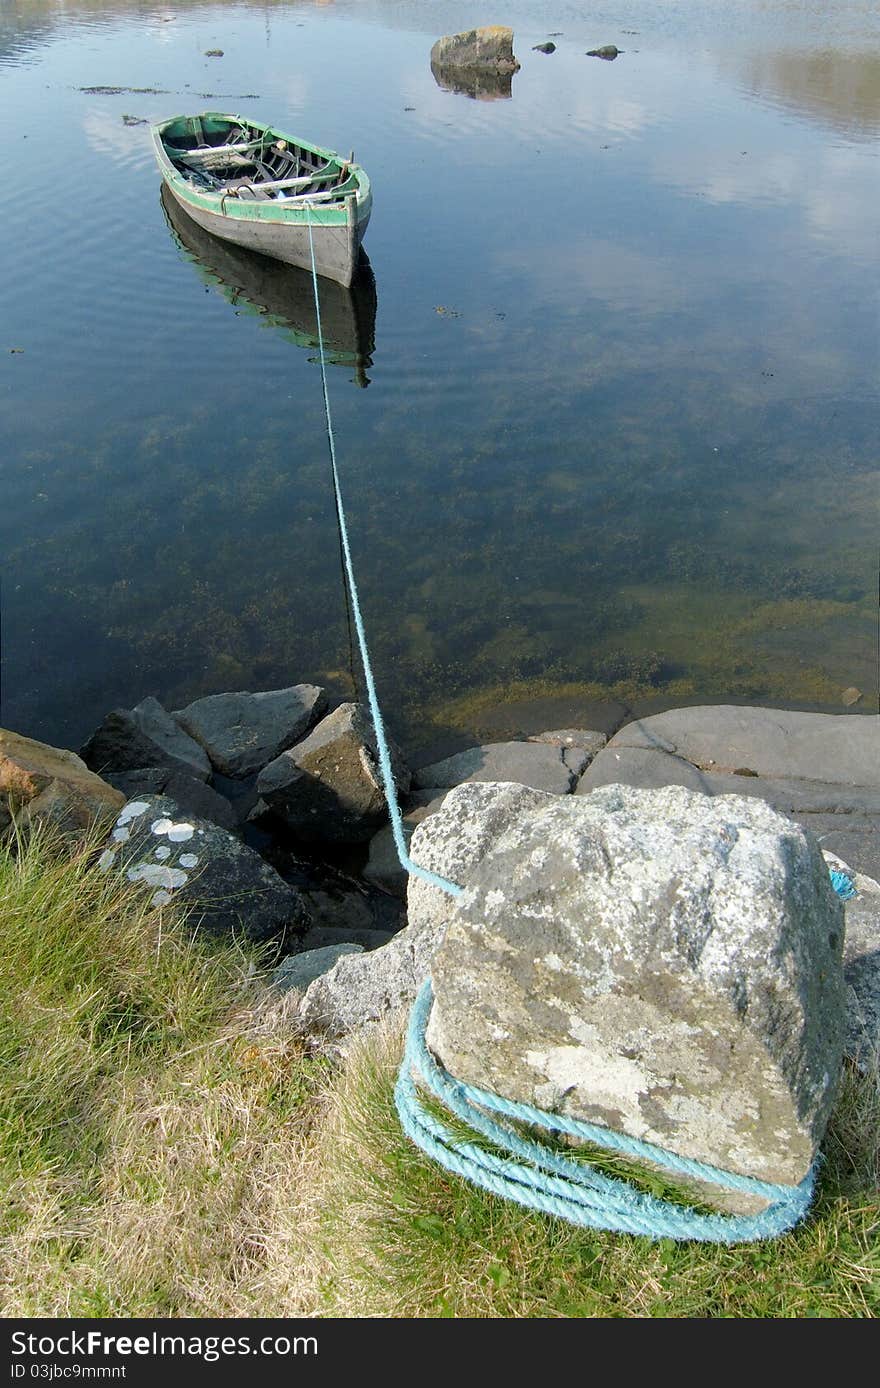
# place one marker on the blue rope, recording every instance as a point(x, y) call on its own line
point(843, 885)
point(383, 749)
point(538, 1177)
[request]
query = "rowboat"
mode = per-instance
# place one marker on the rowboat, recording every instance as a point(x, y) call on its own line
point(255, 186)
point(282, 296)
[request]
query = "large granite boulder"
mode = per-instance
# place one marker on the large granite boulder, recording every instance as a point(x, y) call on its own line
point(490, 47)
point(662, 963)
point(146, 735)
point(242, 732)
point(541, 765)
point(226, 886)
point(328, 788)
point(822, 769)
point(38, 782)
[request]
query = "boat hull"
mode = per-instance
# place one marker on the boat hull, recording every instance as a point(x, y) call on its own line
point(287, 228)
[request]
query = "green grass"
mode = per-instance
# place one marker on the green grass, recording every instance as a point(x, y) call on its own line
point(401, 1237)
point(169, 1146)
point(151, 1112)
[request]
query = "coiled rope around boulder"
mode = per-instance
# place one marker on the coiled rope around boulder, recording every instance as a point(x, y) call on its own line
point(532, 1173)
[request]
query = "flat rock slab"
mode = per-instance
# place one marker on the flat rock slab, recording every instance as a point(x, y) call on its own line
point(585, 738)
point(39, 782)
point(194, 863)
point(539, 765)
point(822, 769)
point(145, 735)
point(841, 749)
point(328, 788)
point(242, 732)
point(662, 963)
point(297, 971)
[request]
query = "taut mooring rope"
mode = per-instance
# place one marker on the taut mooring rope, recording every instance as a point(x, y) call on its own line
point(533, 1174)
point(375, 712)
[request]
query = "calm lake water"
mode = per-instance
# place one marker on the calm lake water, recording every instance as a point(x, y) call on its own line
point(618, 442)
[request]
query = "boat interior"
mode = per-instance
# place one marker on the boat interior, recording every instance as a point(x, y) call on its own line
point(251, 162)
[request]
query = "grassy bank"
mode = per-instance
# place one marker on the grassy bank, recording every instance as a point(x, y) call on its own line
point(170, 1147)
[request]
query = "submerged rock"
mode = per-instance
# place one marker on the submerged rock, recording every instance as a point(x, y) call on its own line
point(39, 782)
point(146, 735)
point(328, 788)
point(242, 732)
point(662, 963)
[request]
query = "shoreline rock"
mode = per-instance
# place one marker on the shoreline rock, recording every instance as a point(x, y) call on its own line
point(39, 782)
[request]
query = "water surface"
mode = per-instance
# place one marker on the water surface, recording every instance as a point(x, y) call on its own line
point(618, 445)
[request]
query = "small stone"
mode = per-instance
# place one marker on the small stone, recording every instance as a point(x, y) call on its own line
point(850, 696)
point(608, 51)
point(213, 52)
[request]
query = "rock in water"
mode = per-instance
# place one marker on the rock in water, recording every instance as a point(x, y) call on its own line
point(146, 735)
point(544, 48)
point(662, 963)
point(328, 788)
point(242, 732)
point(608, 51)
point(489, 47)
point(191, 861)
point(38, 782)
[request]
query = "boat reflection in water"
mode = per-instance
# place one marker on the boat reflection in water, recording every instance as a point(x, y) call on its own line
point(284, 295)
